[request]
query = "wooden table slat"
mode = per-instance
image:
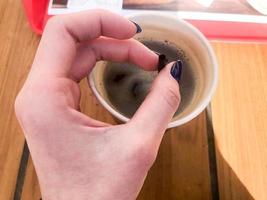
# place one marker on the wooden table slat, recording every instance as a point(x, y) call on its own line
point(17, 48)
point(239, 111)
point(182, 170)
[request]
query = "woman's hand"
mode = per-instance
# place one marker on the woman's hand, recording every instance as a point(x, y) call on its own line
point(75, 156)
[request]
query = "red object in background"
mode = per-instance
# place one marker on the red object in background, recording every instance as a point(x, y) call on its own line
point(36, 11)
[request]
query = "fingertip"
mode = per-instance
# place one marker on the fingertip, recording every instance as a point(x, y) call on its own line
point(149, 60)
point(160, 104)
point(129, 29)
point(152, 63)
point(125, 28)
point(166, 77)
point(133, 29)
point(137, 27)
point(120, 27)
point(174, 70)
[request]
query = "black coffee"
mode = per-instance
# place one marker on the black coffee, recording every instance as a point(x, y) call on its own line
point(127, 85)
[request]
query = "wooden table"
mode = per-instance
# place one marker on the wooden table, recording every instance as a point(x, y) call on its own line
point(221, 154)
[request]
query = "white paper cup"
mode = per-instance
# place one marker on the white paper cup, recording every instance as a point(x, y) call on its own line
point(163, 27)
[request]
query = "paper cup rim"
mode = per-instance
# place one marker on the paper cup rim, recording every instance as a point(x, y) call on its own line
point(201, 106)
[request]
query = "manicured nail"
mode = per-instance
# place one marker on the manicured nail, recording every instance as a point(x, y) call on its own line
point(176, 70)
point(138, 28)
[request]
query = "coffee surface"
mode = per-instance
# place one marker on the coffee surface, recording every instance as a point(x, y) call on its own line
point(127, 85)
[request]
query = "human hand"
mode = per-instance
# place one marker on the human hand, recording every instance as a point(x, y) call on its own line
point(75, 156)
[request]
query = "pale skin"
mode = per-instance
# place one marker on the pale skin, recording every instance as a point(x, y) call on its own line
point(75, 156)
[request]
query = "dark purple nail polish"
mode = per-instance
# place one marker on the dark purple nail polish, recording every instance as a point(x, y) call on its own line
point(176, 70)
point(138, 28)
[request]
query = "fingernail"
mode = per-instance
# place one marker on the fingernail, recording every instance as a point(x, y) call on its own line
point(162, 61)
point(138, 28)
point(176, 70)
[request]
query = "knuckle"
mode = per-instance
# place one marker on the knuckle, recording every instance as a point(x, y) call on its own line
point(55, 22)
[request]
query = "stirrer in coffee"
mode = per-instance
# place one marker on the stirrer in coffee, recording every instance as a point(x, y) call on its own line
point(162, 61)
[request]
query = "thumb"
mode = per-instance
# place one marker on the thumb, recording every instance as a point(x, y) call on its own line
point(158, 108)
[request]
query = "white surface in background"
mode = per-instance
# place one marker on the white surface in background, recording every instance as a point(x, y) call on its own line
point(80, 5)
point(116, 6)
point(205, 3)
point(88, 3)
point(259, 5)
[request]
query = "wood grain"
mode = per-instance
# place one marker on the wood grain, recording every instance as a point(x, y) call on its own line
point(239, 111)
point(181, 170)
point(31, 188)
point(17, 48)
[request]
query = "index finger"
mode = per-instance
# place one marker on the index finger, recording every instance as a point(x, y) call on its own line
point(58, 45)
